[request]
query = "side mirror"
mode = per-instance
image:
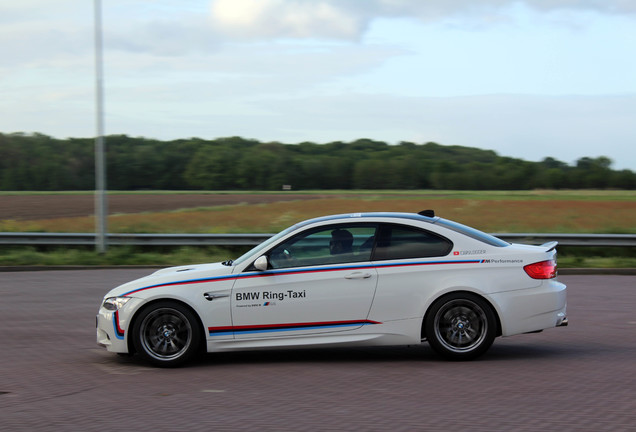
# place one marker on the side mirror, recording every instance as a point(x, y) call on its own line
point(261, 263)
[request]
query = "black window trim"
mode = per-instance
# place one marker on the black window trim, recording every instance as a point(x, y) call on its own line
point(414, 228)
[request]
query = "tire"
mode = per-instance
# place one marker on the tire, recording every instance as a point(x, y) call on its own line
point(167, 334)
point(460, 326)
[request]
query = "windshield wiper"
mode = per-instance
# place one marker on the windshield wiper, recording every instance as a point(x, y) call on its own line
point(227, 263)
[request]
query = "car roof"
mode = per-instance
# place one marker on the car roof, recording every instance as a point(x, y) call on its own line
point(392, 215)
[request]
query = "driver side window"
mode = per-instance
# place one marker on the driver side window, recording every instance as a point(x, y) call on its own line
point(332, 244)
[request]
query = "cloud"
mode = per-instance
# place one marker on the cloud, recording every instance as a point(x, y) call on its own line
point(348, 19)
point(28, 10)
point(162, 37)
point(230, 67)
point(603, 6)
point(284, 18)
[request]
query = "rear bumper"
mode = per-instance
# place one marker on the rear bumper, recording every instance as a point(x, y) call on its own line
point(530, 310)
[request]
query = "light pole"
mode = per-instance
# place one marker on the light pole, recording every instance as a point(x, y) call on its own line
point(101, 212)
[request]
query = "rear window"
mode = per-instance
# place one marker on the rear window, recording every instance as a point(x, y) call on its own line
point(472, 233)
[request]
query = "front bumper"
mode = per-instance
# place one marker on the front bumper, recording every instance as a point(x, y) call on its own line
point(109, 331)
point(113, 326)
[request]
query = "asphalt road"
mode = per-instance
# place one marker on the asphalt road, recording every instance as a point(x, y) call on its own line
point(54, 377)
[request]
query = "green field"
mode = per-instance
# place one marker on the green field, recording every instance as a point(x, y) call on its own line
point(541, 211)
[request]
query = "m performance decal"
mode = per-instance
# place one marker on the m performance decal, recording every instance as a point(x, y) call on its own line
point(285, 272)
point(270, 328)
point(425, 263)
point(119, 333)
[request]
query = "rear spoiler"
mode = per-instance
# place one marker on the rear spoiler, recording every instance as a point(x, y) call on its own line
point(550, 245)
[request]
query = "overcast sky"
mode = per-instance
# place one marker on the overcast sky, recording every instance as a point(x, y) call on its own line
point(528, 79)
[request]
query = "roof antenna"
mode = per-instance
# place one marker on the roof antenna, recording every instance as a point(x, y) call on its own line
point(427, 213)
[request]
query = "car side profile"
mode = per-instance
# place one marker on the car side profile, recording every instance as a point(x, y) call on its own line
point(343, 280)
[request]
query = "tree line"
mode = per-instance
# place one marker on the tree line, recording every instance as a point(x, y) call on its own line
point(41, 162)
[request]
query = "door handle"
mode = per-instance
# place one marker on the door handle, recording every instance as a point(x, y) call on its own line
point(358, 275)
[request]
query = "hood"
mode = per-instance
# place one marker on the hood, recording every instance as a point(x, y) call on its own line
point(172, 274)
point(196, 268)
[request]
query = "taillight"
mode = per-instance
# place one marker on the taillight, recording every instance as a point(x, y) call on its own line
point(542, 270)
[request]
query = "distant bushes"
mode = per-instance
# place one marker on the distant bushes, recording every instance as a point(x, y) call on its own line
point(40, 162)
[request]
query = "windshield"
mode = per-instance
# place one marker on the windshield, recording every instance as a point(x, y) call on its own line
point(256, 251)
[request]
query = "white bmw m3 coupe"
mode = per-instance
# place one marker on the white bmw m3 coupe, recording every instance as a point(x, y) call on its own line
point(354, 279)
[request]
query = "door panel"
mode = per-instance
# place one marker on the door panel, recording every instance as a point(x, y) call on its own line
point(319, 281)
point(303, 301)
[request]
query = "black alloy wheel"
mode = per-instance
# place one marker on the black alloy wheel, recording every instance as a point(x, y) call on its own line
point(460, 326)
point(167, 334)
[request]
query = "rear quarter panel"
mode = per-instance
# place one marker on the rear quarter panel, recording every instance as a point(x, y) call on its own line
point(408, 291)
point(407, 288)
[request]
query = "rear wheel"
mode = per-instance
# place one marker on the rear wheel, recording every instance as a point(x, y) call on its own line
point(460, 326)
point(167, 334)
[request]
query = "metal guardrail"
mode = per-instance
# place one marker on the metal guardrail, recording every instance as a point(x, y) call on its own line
point(577, 240)
point(114, 239)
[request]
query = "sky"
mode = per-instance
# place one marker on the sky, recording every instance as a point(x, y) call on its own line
point(528, 79)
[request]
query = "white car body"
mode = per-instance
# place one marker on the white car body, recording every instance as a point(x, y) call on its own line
point(298, 296)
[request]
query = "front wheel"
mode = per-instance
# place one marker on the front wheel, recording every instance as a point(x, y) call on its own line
point(460, 326)
point(167, 334)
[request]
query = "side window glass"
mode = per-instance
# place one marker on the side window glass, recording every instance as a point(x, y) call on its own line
point(332, 244)
point(403, 242)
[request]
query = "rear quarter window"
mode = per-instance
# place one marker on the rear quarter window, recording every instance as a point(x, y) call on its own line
point(404, 242)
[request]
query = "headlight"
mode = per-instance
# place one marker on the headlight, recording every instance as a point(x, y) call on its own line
point(115, 303)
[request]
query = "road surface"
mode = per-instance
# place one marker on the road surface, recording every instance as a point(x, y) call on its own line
point(54, 377)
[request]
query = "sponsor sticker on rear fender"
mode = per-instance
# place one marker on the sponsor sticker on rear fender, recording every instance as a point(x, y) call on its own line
point(470, 252)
